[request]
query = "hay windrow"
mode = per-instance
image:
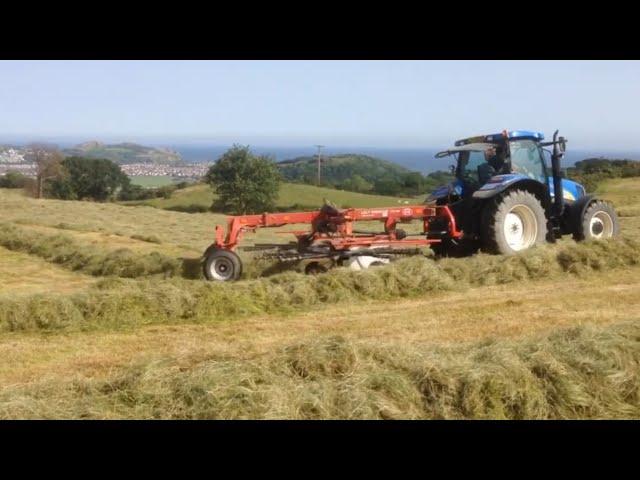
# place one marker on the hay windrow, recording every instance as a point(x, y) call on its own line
point(582, 372)
point(124, 302)
point(64, 251)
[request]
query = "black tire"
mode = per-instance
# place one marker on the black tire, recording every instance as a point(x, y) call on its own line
point(599, 221)
point(377, 264)
point(222, 265)
point(519, 213)
point(447, 248)
point(315, 268)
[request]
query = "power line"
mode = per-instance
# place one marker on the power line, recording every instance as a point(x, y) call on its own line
point(319, 147)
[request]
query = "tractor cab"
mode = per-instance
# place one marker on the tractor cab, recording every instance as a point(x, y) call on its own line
point(481, 161)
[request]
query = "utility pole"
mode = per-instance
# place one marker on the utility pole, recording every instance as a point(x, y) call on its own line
point(320, 147)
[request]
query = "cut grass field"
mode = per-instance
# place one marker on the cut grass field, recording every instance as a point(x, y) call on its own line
point(303, 196)
point(552, 333)
point(22, 274)
point(625, 195)
point(112, 226)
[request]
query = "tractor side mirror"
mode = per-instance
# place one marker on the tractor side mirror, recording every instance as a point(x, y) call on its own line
point(562, 144)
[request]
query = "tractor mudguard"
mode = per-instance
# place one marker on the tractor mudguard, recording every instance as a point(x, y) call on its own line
point(573, 213)
point(500, 183)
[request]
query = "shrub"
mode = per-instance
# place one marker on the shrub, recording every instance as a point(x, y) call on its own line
point(13, 179)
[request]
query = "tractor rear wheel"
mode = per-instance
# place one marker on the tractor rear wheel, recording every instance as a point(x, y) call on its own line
point(599, 221)
point(513, 222)
point(447, 248)
point(222, 265)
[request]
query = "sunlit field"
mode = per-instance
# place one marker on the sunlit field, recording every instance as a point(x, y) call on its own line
point(101, 316)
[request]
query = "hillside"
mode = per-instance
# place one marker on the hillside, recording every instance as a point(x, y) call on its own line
point(101, 318)
point(338, 168)
point(291, 195)
point(125, 153)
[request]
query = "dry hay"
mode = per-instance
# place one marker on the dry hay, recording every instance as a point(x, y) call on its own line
point(582, 372)
point(122, 302)
point(64, 251)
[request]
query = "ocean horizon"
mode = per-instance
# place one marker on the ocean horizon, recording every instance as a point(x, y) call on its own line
point(415, 159)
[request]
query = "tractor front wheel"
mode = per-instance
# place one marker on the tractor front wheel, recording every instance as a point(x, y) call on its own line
point(599, 221)
point(222, 265)
point(513, 222)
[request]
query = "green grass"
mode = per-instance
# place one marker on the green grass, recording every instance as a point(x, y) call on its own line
point(302, 196)
point(145, 181)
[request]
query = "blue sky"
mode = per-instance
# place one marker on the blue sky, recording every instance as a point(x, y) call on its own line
point(348, 103)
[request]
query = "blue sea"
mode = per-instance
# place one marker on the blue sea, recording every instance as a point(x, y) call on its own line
point(416, 159)
point(421, 160)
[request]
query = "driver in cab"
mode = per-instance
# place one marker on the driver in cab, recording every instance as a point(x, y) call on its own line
point(493, 166)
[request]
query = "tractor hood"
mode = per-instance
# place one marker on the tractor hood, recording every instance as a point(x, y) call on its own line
point(443, 191)
point(571, 190)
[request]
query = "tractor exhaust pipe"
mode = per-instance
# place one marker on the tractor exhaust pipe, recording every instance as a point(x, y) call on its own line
point(558, 152)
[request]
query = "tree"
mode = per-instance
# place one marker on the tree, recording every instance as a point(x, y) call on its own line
point(387, 186)
point(49, 167)
point(413, 183)
point(245, 183)
point(356, 184)
point(89, 178)
point(13, 179)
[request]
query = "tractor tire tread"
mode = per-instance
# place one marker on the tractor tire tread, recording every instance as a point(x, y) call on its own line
point(214, 253)
point(494, 213)
point(595, 206)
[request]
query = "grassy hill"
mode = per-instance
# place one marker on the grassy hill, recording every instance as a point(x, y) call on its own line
point(152, 181)
point(91, 328)
point(338, 168)
point(125, 153)
point(304, 197)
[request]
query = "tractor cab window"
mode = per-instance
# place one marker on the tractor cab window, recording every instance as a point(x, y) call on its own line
point(468, 163)
point(526, 159)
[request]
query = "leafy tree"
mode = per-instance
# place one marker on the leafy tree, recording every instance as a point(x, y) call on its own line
point(337, 169)
point(245, 183)
point(356, 184)
point(592, 171)
point(49, 167)
point(388, 186)
point(15, 180)
point(89, 178)
point(136, 192)
point(413, 183)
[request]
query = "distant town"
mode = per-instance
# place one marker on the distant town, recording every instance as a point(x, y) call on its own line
point(195, 170)
point(15, 159)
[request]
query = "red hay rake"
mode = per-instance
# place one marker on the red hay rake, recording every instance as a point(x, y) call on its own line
point(331, 237)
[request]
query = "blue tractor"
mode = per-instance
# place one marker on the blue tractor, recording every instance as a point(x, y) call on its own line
point(504, 196)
